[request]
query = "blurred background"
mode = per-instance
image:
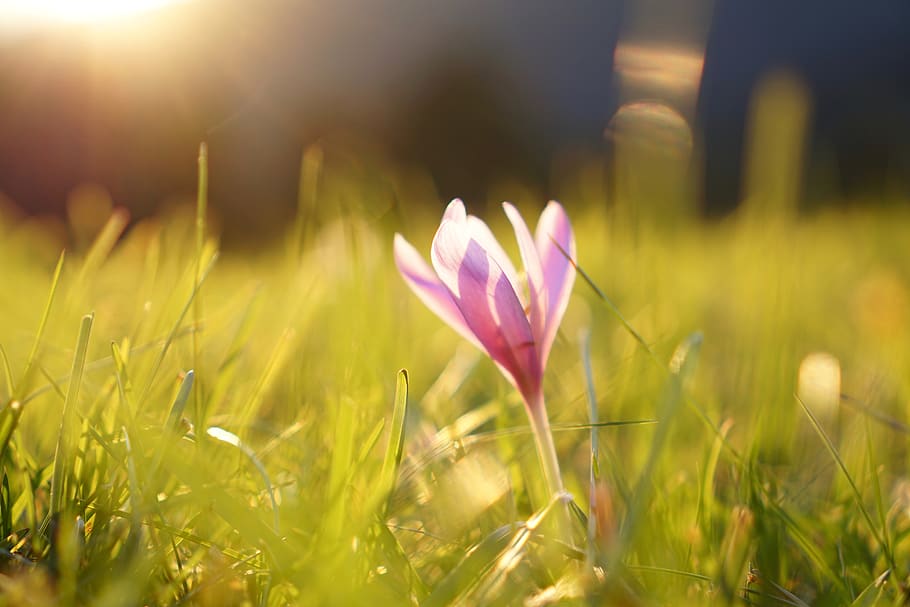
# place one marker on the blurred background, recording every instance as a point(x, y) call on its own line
point(650, 104)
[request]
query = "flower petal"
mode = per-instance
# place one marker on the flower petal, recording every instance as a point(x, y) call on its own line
point(455, 211)
point(418, 274)
point(480, 232)
point(537, 288)
point(488, 302)
point(555, 240)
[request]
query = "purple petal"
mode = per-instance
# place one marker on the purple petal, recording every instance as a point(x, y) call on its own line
point(480, 232)
point(418, 274)
point(537, 288)
point(489, 304)
point(555, 240)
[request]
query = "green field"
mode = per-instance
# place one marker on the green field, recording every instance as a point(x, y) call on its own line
point(272, 474)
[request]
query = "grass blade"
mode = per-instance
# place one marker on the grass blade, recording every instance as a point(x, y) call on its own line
point(856, 493)
point(201, 211)
point(9, 416)
point(66, 441)
point(104, 243)
point(229, 438)
point(396, 439)
point(42, 325)
point(681, 366)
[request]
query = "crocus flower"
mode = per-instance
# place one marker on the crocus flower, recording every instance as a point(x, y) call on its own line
point(474, 287)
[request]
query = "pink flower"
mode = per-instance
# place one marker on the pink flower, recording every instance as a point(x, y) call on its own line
point(476, 290)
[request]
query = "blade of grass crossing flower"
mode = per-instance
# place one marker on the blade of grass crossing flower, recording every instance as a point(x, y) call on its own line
point(66, 440)
point(695, 406)
point(396, 439)
point(681, 367)
point(832, 450)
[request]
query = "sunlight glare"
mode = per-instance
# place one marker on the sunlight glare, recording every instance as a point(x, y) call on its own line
point(83, 11)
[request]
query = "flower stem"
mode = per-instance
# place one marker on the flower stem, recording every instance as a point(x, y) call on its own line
point(546, 449)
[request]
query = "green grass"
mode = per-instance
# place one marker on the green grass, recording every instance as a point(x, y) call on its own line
point(297, 464)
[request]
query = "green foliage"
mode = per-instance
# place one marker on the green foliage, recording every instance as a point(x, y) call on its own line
point(184, 427)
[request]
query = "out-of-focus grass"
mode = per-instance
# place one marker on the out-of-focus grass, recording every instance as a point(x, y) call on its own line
point(267, 481)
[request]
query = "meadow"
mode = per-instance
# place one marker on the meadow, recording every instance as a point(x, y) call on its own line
point(182, 425)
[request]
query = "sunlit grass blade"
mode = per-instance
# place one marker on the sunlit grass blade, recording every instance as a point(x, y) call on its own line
point(510, 557)
point(707, 502)
point(66, 441)
point(103, 243)
point(201, 212)
point(872, 594)
point(136, 503)
point(392, 550)
point(875, 415)
point(275, 364)
point(858, 497)
point(681, 367)
point(7, 372)
point(191, 470)
point(594, 471)
point(9, 416)
point(171, 430)
point(395, 448)
point(100, 365)
point(39, 335)
point(229, 438)
point(175, 415)
point(464, 576)
point(6, 508)
point(877, 489)
point(342, 455)
point(687, 574)
point(175, 331)
point(608, 303)
point(124, 385)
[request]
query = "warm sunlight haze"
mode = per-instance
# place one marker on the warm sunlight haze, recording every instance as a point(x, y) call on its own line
point(371, 302)
point(32, 12)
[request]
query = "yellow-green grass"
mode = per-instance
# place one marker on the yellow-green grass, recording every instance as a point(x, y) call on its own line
point(271, 474)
